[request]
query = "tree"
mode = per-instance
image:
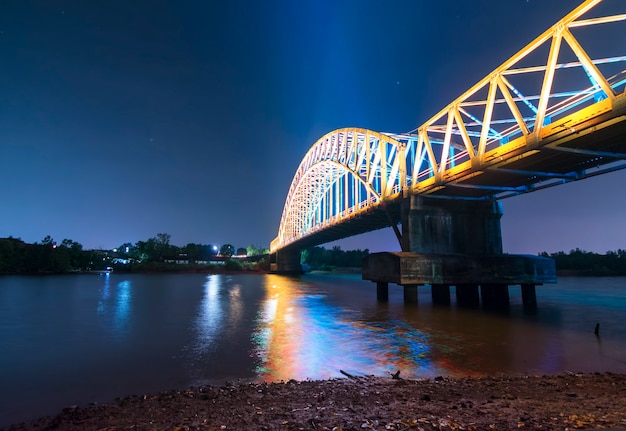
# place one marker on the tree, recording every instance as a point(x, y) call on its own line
point(73, 252)
point(157, 247)
point(193, 251)
point(143, 251)
point(233, 265)
point(47, 241)
point(13, 254)
point(242, 251)
point(320, 258)
point(252, 250)
point(126, 249)
point(163, 239)
point(227, 250)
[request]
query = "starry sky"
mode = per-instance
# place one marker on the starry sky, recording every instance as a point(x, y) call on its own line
point(123, 119)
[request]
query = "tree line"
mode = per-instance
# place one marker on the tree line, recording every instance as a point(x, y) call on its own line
point(586, 263)
point(48, 256)
point(159, 248)
point(320, 258)
point(17, 256)
point(577, 262)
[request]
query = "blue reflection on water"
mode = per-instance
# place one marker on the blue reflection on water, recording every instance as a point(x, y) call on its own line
point(120, 299)
point(122, 309)
point(210, 316)
point(106, 292)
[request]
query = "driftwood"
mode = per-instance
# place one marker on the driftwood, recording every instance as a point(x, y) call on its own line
point(347, 374)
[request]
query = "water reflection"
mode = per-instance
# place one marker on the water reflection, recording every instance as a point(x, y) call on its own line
point(210, 315)
point(105, 292)
point(122, 297)
point(300, 335)
point(122, 309)
point(235, 309)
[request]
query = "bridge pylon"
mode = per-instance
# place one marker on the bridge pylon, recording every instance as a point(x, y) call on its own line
point(456, 243)
point(286, 261)
point(445, 226)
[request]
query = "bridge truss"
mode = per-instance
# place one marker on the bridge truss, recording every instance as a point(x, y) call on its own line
point(525, 126)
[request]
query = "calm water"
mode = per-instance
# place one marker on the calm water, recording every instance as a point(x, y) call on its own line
point(68, 340)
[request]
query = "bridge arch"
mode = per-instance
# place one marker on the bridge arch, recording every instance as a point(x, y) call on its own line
point(344, 173)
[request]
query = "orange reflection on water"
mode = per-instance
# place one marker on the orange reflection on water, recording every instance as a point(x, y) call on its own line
point(277, 333)
point(300, 335)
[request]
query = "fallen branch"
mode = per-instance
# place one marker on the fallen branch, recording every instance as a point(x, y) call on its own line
point(347, 374)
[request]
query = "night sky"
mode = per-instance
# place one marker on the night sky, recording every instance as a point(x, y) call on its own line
point(123, 119)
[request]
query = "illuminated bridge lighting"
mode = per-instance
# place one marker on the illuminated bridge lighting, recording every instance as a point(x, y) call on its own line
point(554, 112)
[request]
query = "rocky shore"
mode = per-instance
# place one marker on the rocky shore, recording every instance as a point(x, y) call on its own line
point(566, 401)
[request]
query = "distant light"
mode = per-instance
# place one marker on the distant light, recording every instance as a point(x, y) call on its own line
point(215, 247)
point(126, 249)
point(115, 250)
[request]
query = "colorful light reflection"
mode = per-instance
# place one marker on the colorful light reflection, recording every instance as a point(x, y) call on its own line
point(299, 335)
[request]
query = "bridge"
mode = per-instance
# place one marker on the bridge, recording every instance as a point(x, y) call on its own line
point(553, 113)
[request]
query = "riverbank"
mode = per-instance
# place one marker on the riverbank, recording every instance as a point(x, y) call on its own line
point(566, 401)
point(169, 270)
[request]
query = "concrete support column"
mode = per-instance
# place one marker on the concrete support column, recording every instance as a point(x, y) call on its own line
point(382, 291)
point(410, 293)
point(440, 226)
point(441, 294)
point(467, 295)
point(495, 295)
point(287, 261)
point(529, 296)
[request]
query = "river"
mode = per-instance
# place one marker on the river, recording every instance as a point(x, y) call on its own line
point(76, 339)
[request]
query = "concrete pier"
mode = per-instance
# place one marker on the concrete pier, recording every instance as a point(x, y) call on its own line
point(493, 274)
point(449, 242)
point(286, 261)
point(467, 295)
point(440, 294)
point(453, 270)
point(529, 296)
point(410, 293)
point(382, 291)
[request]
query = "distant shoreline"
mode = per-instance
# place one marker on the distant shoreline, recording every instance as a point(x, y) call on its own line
point(150, 271)
point(208, 271)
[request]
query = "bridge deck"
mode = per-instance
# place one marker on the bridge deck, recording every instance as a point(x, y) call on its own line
point(589, 152)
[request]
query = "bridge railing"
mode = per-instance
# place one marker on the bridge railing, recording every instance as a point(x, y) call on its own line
point(550, 78)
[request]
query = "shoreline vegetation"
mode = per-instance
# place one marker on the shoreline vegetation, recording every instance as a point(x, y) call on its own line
point(157, 255)
point(549, 402)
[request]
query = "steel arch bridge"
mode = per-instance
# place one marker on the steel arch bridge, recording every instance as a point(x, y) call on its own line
point(554, 112)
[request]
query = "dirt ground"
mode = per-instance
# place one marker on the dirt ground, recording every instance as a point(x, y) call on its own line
point(567, 401)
